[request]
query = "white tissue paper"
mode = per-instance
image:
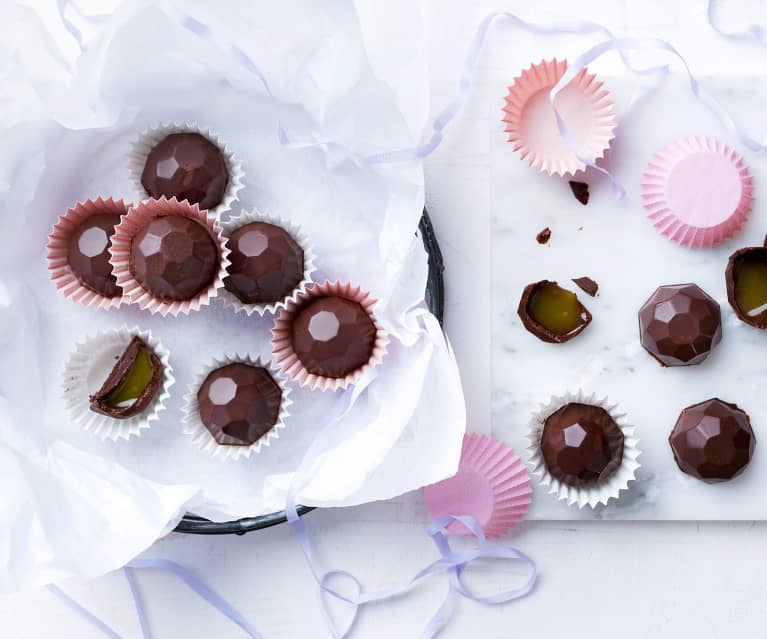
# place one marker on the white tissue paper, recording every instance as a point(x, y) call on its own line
point(350, 75)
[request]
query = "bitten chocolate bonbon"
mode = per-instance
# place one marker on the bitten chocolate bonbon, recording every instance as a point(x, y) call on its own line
point(680, 325)
point(132, 384)
point(173, 257)
point(746, 278)
point(267, 264)
point(88, 253)
point(581, 444)
point(186, 166)
point(333, 336)
point(239, 403)
point(713, 441)
point(551, 313)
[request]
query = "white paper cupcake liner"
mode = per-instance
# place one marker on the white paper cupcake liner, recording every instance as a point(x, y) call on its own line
point(282, 347)
point(87, 368)
point(138, 217)
point(152, 136)
point(295, 231)
point(201, 436)
point(599, 492)
point(58, 249)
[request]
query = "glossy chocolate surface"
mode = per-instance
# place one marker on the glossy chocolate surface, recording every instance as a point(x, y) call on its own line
point(551, 313)
point(746, 279)
point(88, 253)
point(239, 403)
point(712, 441)
point(581, 444)
point(186, 166)
point(266, 263)
point(174, 257)
point(333, 336)
point(680, 325)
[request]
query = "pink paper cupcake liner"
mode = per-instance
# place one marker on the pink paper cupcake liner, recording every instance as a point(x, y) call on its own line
point(282, 348)
point(491, 485)
point(58, 247)
point(584, 105)
point(698, 191)
point(138, 217)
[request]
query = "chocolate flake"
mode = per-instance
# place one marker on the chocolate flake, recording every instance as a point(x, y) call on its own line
point(587, 285)
point(580, 191)
point(544, 236)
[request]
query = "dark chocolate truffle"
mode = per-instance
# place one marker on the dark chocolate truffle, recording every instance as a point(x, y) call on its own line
point(333, 336)
point(581, 444)
point(174, 257)
point(266, 263)
point(712, 441)
point(746, 278)
point(680, 325)
point(239, 403)
point(186, 166)
point(131, 385)
point(551, 313)
point(88, 253)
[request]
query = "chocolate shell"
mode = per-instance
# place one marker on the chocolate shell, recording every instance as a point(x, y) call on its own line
point(579, 318)
point(757, 256)
point(104, 401)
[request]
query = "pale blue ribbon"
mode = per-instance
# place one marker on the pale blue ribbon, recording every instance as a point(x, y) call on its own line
point(752, 32)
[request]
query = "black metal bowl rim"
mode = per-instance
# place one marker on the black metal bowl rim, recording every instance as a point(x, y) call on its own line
point(435, 301)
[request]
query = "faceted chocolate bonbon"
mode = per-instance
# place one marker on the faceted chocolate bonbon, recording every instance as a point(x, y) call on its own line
point(173, 257)
point(239, 403)
point(333, 336)
point(746, 278)
point(712, 441)
point(581, 444)
point(186, 166)
point(131, 385)
point(680, 325)
point(552, 313)
point(266, 263)
point(88, 253)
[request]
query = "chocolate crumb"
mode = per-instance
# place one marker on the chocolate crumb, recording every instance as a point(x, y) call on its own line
point(544, 236)
point(580, 191)
point(587, 285)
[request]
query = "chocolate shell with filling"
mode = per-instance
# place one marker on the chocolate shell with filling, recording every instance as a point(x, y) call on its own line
point(746, 278)
point(132, 384)
point(551, 313)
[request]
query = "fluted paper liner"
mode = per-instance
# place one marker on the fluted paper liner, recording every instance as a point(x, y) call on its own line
point(295, 231)
point(136, 219)
point(90, 364)
point(599, 492)
point(282, 347)
point(201, 436)
point(491, 485)
point(584, 105)
point(697, 191)
point(58, 248)
point(151, 137)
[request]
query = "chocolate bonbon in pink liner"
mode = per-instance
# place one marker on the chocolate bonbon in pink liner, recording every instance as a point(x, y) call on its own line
point(169, 257)
point(78, 253)
point(328, 337)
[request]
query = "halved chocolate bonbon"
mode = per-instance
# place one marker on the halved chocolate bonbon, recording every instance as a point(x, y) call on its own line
point(551, 313)
point(746, 278)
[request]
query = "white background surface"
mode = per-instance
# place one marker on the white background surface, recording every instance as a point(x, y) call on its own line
point(597, 578)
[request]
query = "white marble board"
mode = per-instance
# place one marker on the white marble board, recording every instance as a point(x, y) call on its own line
point(613, 242)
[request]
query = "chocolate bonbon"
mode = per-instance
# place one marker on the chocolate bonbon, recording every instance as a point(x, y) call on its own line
point(581, 444)
point(239, 403)
point(267, 264)
point(173, 257)
point(713, 441)
point(746, 279)
point(132, 384)
point(187, 166)
point(552, 313)
point(333, 336)
point(680, 325)
point(88, 253)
